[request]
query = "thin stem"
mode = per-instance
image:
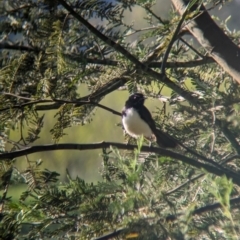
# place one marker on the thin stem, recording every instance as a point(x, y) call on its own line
point(140, 30)
point(192, 48)
point(156, 16)
point(78, 103)
point(16, 96)
point(184, 184)
point(173, 40)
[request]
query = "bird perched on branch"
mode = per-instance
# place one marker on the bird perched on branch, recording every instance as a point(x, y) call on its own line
point(137, 121)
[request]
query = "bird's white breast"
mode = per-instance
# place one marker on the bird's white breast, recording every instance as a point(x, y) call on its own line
point(134, 125)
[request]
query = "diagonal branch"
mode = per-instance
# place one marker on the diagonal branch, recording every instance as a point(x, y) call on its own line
point(184, 184)
point(110, 235)
point(139, 65)
point(101, 36)
point(225, 52)
point(210, 207)
point(234, 203)
point(228, 134)
point(193, 49)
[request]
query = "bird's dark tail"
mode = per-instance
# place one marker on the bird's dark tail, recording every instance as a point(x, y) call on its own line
point(165, 140)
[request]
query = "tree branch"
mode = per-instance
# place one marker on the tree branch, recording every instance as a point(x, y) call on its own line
point(76, 102)
point(20, 7)
point(188, 64)
point(90, 146)
point(110, 235)
point(234, 202)
point(141, 30)
point(192, 48)
point(18, 47)
point(207, 208)
point(184, 184)
point(109, 62)
point(80, 103)
point(90, 103)
point(153, 14)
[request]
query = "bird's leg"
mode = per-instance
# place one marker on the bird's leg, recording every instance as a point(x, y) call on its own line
point(149, 139)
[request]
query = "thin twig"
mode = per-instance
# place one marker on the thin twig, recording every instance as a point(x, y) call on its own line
point(92, 103)
point(156, 16)
point(20, 8)
point(207, 208)
point(189, 64)
point(185, 183)
point(141, 30)
point(30, 103)
point(109, 62)
point(229, 159)
point(78, 103)
point(15, 144)
point(229, 135)
point(192, 48)
point(109, 236)
point(15, 95)
point(5, 181)
point(165, 57)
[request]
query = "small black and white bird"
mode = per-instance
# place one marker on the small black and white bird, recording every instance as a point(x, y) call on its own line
point(137, 121)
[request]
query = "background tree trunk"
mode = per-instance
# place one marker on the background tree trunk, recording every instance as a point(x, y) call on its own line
point(213, 39)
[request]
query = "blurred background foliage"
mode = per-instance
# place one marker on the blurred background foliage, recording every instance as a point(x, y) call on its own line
point(50, 63)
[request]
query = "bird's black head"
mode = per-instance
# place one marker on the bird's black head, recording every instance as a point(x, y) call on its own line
point(136, 100)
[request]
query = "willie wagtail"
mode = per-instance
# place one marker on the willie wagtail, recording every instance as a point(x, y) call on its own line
point(137, 121)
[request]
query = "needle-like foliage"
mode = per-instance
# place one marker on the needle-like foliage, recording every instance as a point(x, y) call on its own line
point(62, 58)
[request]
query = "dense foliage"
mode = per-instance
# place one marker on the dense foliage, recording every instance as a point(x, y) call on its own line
point(49, 50)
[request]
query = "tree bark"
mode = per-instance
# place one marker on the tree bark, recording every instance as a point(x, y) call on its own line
point(213, 39)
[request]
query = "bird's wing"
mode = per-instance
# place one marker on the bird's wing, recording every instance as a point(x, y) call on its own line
point(163, 139)
point(147, 117)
